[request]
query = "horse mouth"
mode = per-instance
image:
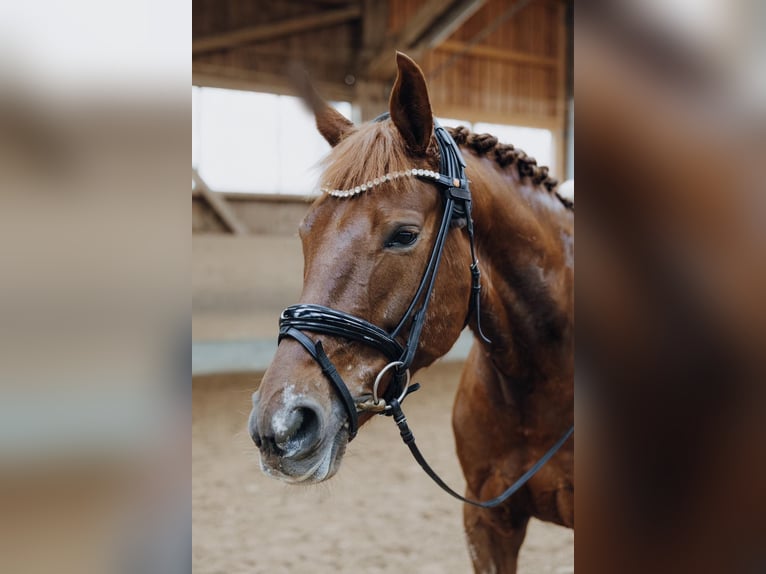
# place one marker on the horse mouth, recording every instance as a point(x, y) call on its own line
point(317, 467)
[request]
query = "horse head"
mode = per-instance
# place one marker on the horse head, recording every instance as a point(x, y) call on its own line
point(367, 241)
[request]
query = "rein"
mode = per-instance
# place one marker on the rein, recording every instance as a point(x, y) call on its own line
point(295, 319)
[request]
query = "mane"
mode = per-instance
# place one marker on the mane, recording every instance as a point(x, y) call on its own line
point(376, 148)
point(507, 155)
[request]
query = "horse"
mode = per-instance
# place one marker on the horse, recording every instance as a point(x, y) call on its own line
point(367, 240)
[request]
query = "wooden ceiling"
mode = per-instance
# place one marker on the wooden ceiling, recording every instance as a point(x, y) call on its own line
point(505, 57)
point(498, 61)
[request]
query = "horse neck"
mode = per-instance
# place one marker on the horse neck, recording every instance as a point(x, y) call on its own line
point(525, 247)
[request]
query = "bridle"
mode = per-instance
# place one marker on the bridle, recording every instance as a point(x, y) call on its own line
point(320, 319)
point(454, 186)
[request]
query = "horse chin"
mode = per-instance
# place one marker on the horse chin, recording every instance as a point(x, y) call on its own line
point(318, 467)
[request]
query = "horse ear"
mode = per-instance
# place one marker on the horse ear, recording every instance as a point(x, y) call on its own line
point(330, 122)
point(410, 107)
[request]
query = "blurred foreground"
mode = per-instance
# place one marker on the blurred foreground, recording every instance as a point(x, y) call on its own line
point(671, 263)
point(94, 305)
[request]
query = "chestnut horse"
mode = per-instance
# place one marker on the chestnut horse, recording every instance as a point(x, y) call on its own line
point(367, 241)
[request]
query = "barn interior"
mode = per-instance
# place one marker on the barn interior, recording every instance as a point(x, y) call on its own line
point(492, 64)
point(497, 66)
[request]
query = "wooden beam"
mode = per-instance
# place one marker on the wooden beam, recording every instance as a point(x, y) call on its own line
point(431, 25)
point(257, 197)
point(443, 27)
point(500, 54)
point(371, 99)
point(260, 33)
point(219, 206)
point(333, 3)
point(491, 28)
point(374, 19)
point(217, 76)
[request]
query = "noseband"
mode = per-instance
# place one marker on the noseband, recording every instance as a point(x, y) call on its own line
point(453, 184)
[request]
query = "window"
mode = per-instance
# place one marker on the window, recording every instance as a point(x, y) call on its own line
point(453, 123)
point(255, 142)
point(535, 142)
point(265, 143)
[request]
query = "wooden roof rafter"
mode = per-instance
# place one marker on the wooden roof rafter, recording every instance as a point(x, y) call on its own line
point(217, 76)
point(218, 204)
point(274, 30)
point(430, 26)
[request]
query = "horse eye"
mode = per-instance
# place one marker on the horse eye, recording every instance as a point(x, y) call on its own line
point(402, 238)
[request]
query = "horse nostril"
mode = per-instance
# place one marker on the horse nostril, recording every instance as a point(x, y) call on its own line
point(296, 431)
point(269, 446)
point(252, 425)
point(252, 421)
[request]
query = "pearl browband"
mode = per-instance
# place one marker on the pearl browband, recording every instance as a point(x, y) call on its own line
point(379, 180)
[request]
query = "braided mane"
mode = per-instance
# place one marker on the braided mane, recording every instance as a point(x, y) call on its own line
point(505, 155)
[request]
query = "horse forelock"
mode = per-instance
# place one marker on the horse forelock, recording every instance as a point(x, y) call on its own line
point(371, 150)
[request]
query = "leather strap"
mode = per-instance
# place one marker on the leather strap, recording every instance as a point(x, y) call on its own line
point(316, 350)
point(409, 440)
point(321, 319)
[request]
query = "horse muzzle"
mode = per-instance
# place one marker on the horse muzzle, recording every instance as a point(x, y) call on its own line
point(298, 441)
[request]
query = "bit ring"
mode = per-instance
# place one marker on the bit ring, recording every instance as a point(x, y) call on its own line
point(375, 399)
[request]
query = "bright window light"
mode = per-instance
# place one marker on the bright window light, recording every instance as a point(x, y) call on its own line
point(238, 137)
point(453, 123)
point(300, 147)
point(255, 142)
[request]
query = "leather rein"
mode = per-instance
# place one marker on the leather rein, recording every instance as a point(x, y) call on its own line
point(320, 319)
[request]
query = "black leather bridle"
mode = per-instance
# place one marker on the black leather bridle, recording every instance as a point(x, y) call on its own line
point(296, 319)
point(320, 319)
